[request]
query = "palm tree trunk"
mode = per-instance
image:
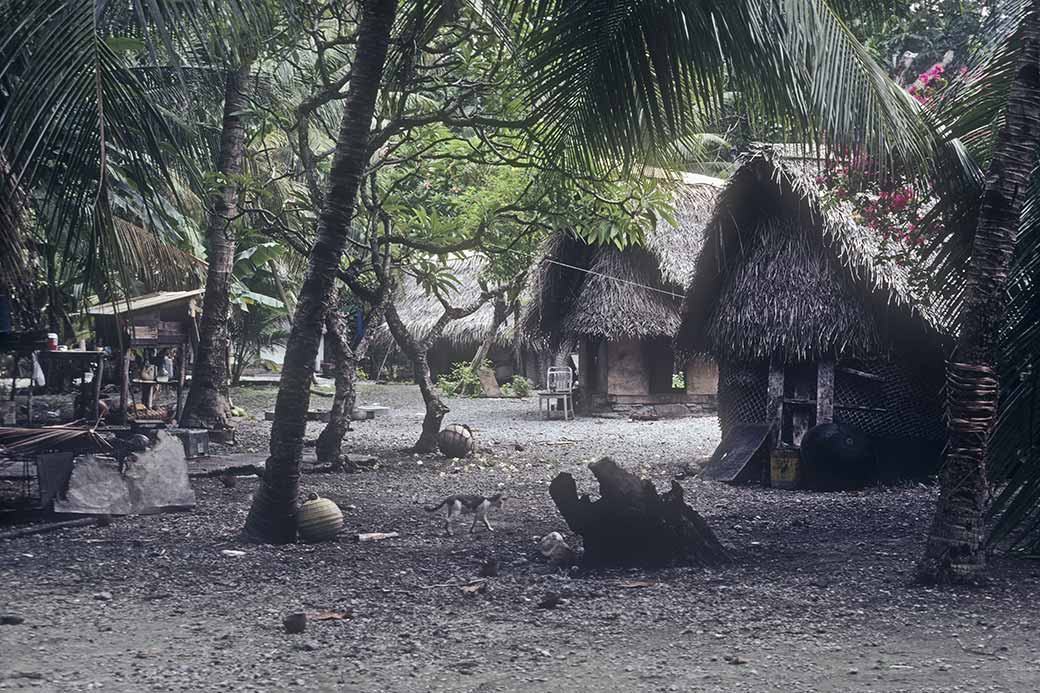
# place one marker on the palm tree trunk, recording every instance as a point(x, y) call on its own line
point(954, 550)
point(207, 405)
point(416, 352)
point(273, 515)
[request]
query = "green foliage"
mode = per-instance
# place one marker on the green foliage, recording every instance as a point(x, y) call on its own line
point(518, 386)
point(461, 381)
point(678, 381)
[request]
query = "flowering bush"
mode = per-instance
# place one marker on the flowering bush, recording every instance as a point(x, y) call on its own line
point(887, 204)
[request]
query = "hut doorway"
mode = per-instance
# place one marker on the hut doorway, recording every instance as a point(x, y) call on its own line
point(592, 367)
point(798, 413)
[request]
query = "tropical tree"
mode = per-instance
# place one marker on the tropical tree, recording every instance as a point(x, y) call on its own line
point(1001, 96)
point(207, 405)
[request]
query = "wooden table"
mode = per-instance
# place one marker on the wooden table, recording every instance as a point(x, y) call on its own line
point(83, 357)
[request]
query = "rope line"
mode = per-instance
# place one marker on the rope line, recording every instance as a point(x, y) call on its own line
point(616, 279)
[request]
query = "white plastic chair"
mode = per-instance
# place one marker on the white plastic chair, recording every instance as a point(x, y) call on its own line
point(559, 383)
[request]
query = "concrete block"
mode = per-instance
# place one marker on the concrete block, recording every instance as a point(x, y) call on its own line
point(157, 479)
point(95, 488)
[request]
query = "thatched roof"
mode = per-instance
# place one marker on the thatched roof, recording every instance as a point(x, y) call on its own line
point(782, 271)
point(420, 310)
point(577, 289)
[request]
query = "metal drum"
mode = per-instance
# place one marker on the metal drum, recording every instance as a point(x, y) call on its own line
point(456, 440)
point(318, 519)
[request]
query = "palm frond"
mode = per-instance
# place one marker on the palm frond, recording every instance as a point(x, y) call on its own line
point(621, 79)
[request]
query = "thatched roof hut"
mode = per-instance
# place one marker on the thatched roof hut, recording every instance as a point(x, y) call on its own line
point(577, 289)
point(782, 271)
point(420, 310)
point(809, 321)
point(620, 308)
point(459, 341)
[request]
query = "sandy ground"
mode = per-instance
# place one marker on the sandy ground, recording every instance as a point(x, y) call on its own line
point(816, 597)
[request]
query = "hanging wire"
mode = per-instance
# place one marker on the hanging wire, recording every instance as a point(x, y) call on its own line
point(616, 279)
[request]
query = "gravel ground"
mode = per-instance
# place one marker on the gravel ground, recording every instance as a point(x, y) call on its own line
point(816, 598)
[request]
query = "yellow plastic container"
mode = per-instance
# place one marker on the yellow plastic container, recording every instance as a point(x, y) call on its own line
point(783, 468)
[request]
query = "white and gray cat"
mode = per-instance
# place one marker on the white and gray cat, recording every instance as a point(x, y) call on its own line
point(465, 504)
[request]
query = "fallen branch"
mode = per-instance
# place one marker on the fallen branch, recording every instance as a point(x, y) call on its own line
point(50, 527)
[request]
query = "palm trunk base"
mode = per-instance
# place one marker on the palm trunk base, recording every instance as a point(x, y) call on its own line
point(955, 551)
point(206, 408)
point(272, 517)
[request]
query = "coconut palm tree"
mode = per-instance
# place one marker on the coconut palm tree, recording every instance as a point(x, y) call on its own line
point(1001, 97)
point(608, 82)
point(93, 134)
point(208, 405)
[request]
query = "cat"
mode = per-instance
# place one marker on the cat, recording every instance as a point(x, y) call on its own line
point(464, 504)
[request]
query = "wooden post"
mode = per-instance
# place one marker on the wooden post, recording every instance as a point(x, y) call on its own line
point(824, 390)
point(182, 359)
point(98, 377)
point(32, 384)
point(775, 396)
point(124, 387)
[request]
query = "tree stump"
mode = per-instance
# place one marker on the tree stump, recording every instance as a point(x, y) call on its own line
point(631, 525)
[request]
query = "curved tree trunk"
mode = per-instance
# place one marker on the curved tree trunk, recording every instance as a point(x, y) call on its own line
point(954, 551)
point(207, 405)
point(435, 407)
point(273, 515)
point(416, 352)
point(330, 441)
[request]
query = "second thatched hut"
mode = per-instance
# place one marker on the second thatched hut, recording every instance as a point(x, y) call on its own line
point(617, 312)
point(460, 339)
point(811, 322)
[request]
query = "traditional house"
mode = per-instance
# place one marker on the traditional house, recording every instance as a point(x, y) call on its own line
point(618, 310)
point(810, 323)
point(461, 338)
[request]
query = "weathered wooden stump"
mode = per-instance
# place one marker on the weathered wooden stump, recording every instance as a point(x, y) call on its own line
point(631, 524)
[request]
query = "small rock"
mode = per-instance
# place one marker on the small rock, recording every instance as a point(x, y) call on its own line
point(489, 569)
point(11, 620)
point(853, 672)
point(550, 601)
point(518, 447)
point(103, 596)
point(295, 623)
point(308, 646)
point(554, 548)
point(232, 553)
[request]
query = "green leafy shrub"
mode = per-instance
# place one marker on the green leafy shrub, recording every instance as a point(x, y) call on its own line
point(519, 386)
point(462, 381)
point(678, 381)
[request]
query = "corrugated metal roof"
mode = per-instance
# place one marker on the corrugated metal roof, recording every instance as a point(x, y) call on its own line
point(141, 302)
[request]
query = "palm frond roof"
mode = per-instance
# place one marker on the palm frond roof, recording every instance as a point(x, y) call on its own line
point(420, 310)
point(784, 269)
point(577, 289)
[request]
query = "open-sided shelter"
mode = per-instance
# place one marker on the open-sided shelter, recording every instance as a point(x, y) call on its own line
point(812, 322)
point(619, 310)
